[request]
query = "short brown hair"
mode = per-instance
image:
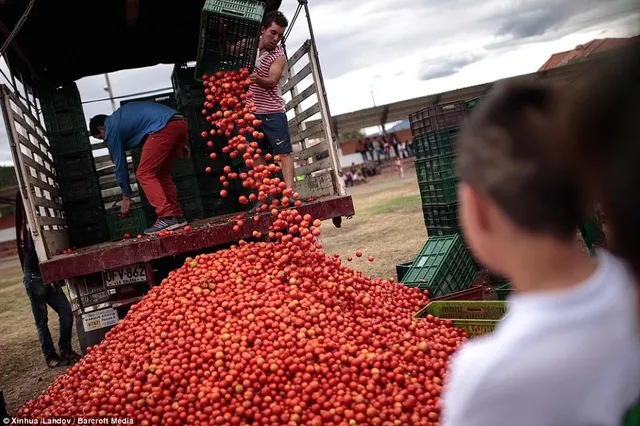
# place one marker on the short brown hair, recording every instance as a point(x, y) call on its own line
point(509, 151)
point(606, 113)
point(274, 17)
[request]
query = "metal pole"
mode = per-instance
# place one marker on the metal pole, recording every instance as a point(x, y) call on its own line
point(315, 52)
point(110, 92)
point(372, 98)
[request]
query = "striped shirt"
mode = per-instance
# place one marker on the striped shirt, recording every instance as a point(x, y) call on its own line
point(268, 100)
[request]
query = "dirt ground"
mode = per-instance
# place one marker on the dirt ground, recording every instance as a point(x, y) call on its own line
point(388, 225)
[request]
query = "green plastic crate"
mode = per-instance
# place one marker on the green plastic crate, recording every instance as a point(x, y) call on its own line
point(87, 234)
point(441, 216)
point(166, 98)
point(69, 142)
point(79, 212)
point(632, 418)
point(475, 317)
point(436, 118)
point(193, 208)
point(436, 144)
point(59, 98)
point(503, 291)
point(183, 167)
point(436, 168)
point(439, 191)
point(443, 266)
point(402, 269)
point(134, 224)
point(229, 34)
point(473, 103)
point(64, 120)
point(193, 113)
point(79, 188)
point(187, 187)
point(74, 165)
point(188, 90)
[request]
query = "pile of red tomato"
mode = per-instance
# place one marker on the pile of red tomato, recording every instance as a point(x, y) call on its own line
point(264, 333)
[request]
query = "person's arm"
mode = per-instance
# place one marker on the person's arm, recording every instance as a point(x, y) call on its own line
point(119, 156)
point(275, 71)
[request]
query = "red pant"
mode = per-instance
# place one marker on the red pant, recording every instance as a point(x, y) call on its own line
point(159, 154)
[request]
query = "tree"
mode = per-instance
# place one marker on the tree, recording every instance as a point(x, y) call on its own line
point(7, 177)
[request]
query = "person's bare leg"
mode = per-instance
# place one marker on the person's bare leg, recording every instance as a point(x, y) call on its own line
point(286, 161)
point(259, 162)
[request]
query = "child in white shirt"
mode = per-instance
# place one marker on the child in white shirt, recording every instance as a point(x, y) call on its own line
point(567, 353)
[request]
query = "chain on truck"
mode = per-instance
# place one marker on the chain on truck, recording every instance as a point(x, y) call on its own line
point(66, 180)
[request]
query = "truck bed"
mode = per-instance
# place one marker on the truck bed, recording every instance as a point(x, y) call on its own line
point(205, 233)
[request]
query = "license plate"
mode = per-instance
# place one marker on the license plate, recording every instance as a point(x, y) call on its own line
point(127, 275)
point(99, 319)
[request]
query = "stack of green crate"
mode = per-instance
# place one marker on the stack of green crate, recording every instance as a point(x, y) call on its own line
point(190, 97)
point(75, 167)
point(435, 130)
point(443, 266)
point(236, 46)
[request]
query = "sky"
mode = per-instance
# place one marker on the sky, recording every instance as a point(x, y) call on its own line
point(386, 51)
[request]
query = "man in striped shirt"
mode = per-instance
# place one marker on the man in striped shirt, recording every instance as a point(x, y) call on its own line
point(268, 78)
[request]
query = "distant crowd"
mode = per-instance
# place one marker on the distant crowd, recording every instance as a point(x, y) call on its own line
point(378, 148)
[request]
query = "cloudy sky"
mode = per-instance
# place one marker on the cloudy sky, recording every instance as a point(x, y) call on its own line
point(401, 49)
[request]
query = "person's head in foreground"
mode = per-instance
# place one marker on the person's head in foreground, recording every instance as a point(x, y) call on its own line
point(567, 351)
point(607, 150)
point(518, 199)
point(274, 25)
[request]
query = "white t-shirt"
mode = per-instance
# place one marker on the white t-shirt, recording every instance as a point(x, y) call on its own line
point(563, 358)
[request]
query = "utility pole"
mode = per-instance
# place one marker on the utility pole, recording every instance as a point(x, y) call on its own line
point(110, 92)
point(374, 105)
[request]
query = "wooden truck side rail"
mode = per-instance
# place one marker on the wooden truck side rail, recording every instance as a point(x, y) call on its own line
point(36, 174)
point(206, 234)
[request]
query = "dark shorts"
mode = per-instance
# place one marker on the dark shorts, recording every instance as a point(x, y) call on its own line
point(277, 139)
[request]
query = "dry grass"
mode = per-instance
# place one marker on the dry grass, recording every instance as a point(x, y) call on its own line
point(388, 225)
point(23, 373)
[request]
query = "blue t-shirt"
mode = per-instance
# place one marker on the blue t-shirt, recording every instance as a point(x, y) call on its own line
point(126, 129)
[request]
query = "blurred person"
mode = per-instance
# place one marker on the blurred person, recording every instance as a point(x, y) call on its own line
point(568, 350)
point(365, 170)
point(378, 149)
point(348, 178)
point(361, 149)
point(394, 144)
point(386, 146)
point(368, 144)
point(402, 150)
point(399, 167)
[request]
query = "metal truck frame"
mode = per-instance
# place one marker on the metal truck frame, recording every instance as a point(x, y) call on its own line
point(104, 280)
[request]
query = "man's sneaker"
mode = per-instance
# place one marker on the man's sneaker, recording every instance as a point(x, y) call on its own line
point(70, 357)
point(54, 361)
point(168, 223)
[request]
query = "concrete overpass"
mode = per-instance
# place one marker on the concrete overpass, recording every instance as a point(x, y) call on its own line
point(383, 114)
